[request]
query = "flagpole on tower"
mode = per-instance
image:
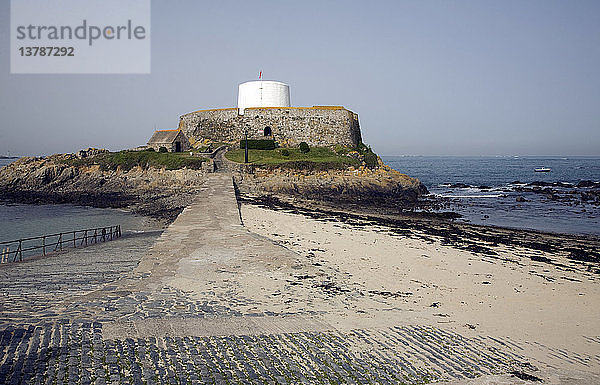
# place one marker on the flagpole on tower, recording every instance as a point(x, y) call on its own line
point(261, 87)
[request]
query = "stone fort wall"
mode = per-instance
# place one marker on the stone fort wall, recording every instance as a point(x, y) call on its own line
point(317, 126)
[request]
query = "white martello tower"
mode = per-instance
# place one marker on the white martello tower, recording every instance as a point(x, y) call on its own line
point(263, 93)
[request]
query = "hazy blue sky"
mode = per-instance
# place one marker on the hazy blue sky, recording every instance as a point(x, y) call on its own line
point(426, 77)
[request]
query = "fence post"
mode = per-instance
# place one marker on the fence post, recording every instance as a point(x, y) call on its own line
point(20, 250)
point(85, 235)
point(60, 240)
point(44, 245)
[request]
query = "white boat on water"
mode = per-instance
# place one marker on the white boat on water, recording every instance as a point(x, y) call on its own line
point(542, 169)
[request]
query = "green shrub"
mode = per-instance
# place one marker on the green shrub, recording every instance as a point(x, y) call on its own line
point(363, 148)
point(151, 149)
point(126, 160)
point(285, 152)
point(304, 147)
point(371, 159)
point(162, 149)
point(341, 150)
point(258, 144)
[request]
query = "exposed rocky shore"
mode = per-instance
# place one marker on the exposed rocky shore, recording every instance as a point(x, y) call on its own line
point(161, 193)
point(585, 191)
point(152, 192)
point(382, 187)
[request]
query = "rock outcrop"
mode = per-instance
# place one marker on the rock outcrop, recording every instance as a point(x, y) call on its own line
point(164, 193)
point(382, 186)
point(154, 192)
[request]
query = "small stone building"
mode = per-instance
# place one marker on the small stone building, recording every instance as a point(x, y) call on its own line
point(172, 140)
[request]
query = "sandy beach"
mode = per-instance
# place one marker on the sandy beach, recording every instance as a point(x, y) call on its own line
point(379, 276)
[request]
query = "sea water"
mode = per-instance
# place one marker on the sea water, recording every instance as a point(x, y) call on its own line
point(491, 185)
point(24, 221)
point(19, 221)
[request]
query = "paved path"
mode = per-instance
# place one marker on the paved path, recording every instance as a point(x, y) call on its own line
point(218, 160)
point(210, 302)
point(32, 291)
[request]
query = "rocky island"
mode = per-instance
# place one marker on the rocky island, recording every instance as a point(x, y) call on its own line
point(163, 190)
point(301, 153)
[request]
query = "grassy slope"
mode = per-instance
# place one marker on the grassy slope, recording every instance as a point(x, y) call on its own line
point(129, 159)
point(316, 158)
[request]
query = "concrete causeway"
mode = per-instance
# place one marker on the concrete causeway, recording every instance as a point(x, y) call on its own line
point(211, 302)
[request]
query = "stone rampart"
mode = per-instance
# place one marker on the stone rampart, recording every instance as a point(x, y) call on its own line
point(318, 126)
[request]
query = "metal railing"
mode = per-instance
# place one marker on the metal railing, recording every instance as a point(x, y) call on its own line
point(55, 242)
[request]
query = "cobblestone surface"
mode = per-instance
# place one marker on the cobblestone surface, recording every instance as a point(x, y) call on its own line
point(76, 353)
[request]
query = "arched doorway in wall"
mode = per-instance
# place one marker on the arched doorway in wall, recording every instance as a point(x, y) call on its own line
point(267, 131)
